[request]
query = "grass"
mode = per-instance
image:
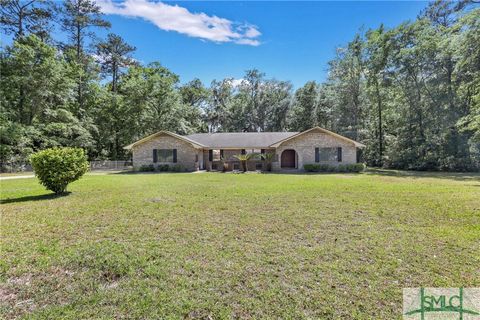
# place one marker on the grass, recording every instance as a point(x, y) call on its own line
point(214, 246)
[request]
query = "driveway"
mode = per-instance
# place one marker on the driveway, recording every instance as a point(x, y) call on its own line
point(17, 177)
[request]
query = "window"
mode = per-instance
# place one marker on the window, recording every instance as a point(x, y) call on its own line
point(258, 166)
point(328, 154)
point(254, 151)
point(165, 155)
point(216, 155)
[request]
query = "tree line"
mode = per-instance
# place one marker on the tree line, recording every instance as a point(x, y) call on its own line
point(411, 93)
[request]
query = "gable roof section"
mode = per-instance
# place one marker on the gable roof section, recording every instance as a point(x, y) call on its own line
point(183, 138)
point(355, 143)
point(254, 140)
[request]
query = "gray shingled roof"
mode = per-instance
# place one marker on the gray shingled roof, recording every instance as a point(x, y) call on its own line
point(255, 140)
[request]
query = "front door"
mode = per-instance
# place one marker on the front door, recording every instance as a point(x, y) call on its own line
point(288, 159)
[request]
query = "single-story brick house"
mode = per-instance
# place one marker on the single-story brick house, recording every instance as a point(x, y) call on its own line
point(210, 151)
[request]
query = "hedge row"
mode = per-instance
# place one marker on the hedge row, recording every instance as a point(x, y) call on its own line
point(357, 167)
point(162, 168)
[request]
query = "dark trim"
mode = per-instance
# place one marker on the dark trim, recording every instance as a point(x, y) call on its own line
point(317, 154)
point(155, 156)
point(339, 154)
point(174, 155)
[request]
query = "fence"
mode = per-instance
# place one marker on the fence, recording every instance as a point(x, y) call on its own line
point(100, 165)
point(15, 166)
point(95, 165)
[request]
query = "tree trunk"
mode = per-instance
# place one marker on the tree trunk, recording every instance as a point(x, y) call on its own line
point(20, 23)
point(78, 42)
point(380, 129)
point(78, 48)
point(21, 104)
point(114, 77)
point(244, 165)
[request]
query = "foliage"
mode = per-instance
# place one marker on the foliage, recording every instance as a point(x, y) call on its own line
point(304, 107)
point(178, 168)
point(27, 17)
point(15, 145)
point(114, 54)
point(408, 93)
point(33, 80)
point(356, 167)
point(254, 104)
point(146, 168)
point(57, 167)
point(78, 18)
point(244, 158)
point(267, 157)
point(36, 92)
point(163, 168)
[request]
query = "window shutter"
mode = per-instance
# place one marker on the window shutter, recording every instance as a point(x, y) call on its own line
point(155, 156)
point(210, 155)
point(317, 154)
point(243, 151)
point(339, 154)
point(174, 155)
point(221, 154)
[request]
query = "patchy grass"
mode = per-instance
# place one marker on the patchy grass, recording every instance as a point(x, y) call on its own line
point(199, 246)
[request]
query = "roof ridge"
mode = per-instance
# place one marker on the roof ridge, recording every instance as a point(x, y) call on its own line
point(242, 132)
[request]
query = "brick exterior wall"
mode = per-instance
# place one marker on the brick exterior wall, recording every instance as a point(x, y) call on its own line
point(143, 153)
point(305, 145)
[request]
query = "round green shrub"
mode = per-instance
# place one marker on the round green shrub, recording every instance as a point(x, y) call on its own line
point(57, 167)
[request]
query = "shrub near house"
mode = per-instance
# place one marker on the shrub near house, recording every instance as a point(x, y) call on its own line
point(356, 167)
point(162, 168)
point(57, 167)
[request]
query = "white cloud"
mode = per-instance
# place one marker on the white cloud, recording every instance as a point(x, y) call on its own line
point(250, 42)
point(175, 18)
point(236, 82)
point(252, 32)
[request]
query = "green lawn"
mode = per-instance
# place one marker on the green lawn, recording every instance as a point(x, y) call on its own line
point(212, 245)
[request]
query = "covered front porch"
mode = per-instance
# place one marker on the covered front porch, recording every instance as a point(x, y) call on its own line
point(225, 159)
